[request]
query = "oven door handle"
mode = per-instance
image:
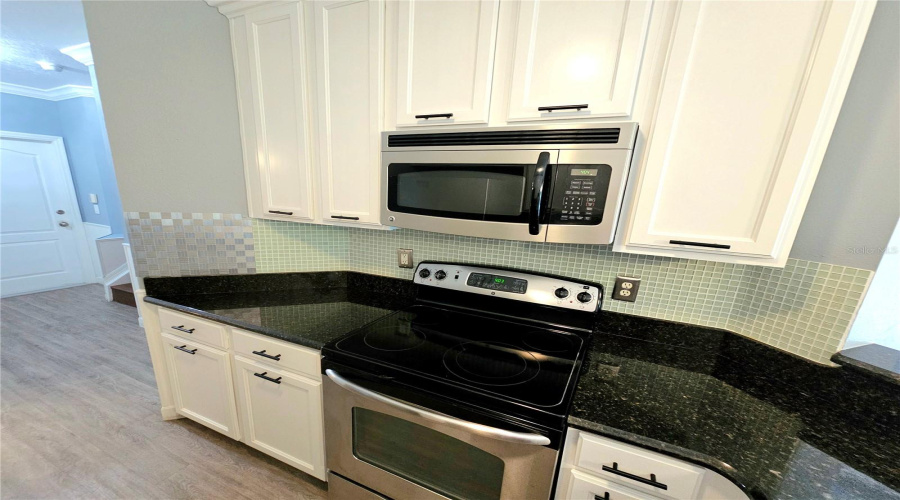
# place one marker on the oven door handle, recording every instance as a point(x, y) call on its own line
point(483, 430)
point(537, 193)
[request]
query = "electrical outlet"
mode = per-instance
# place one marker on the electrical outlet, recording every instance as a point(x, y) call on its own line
point(404, 257)
point(96, 209)
point(626, 288)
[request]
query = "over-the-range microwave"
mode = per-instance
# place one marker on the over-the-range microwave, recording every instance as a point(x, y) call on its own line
point(553, 183)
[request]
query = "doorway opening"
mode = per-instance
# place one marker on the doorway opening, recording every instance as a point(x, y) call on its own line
point(61, 219)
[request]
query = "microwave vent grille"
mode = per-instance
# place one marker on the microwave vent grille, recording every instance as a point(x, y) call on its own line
point(495, 138)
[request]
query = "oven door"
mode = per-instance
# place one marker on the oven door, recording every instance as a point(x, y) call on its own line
point(489, 194)
point(406, 451)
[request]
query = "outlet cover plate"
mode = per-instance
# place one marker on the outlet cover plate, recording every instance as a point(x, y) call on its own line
point(626, 288)
point(405, 257)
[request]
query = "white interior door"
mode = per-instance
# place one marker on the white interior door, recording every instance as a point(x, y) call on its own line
point(42, 242)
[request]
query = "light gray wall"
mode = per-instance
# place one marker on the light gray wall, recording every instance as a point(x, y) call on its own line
point(166, 78)
point(856, 199)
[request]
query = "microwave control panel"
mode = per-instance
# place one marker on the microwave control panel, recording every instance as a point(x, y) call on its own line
point(579, 194)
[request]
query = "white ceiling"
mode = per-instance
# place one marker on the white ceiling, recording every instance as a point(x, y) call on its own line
point(32, 31)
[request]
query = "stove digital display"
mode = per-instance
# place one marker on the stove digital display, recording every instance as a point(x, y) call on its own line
point(497, 282)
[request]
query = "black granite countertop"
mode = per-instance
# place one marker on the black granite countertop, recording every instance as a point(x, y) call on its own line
point(872, 359)
point(309, 309)
point(775, 424)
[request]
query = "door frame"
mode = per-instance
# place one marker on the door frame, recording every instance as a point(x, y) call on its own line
point(76, 222)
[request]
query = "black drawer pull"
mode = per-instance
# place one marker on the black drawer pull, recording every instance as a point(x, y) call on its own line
point(436, 115)
point(270, 379)
point(652, 481)
point(551, 109)
point(262, 353)
point(604, 497)
point(181, 328)
point(279, 212)
point(183, 348)
point(696, 244)
point(344, 217)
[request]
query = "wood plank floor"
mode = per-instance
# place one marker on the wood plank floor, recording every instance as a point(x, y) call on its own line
point(80, 415)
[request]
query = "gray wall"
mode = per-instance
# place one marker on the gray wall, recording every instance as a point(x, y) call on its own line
point(166, 79)
point(856, 200)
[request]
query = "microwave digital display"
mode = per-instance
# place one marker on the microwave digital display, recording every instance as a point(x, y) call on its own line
point(584, 171)
point(497, 282)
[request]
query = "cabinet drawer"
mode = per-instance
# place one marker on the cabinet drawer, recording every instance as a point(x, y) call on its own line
point(637, 468)
point(583, 486)
point(193, 328)
point(277, 353)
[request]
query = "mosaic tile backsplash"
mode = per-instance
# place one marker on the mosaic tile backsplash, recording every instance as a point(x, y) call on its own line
point(805, 308)
point(190, 244)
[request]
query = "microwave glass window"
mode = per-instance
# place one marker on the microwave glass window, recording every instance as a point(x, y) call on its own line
point(426, 457)
point(480, 192)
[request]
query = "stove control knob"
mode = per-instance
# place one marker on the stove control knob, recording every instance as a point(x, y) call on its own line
point(562, 293)
point(584, 297)
point(424, 273)
point(440, 274)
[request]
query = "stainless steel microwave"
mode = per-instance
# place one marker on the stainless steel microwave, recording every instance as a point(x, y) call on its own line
point(553, 183)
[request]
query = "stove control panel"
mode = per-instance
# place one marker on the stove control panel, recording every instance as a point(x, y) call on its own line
point(513, 285)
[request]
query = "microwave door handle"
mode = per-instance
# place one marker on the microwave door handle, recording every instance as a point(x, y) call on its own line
point(537, 193)
point(483, 430)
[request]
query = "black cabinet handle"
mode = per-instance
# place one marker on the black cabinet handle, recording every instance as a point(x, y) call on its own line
point(551, 109)
point(270, 379)
point(697, 244)
point(262, 353)
point(183, 348)
point(279, 212)
point(344, 217)
point(652, 481)
point(604, 497)
point(436, 115)
point(181, 328)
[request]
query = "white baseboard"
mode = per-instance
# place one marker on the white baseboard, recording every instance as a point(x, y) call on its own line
point(112, 278)
point(169, 413)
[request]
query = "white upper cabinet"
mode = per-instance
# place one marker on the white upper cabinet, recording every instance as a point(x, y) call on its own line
point(749, 98)
point(349, 40)
point(276, 66)
point(581, 54)
point(444, 61)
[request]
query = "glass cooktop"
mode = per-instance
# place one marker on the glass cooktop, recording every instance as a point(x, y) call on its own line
point(520, 362)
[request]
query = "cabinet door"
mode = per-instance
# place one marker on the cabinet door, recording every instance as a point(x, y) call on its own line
point(748, 102)
point(577, 53)
point(349, 52)
point(278, 83)
point(201, 384)
point(282, 415)
point(445, 59)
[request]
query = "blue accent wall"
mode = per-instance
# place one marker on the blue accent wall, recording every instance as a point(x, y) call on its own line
point(79, 122)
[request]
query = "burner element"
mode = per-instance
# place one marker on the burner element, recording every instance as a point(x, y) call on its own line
point(492, 363)
point(395, 338)
point(544, 341)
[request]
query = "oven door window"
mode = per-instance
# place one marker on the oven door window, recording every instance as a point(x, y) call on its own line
point(500, 193)
point(426, 457)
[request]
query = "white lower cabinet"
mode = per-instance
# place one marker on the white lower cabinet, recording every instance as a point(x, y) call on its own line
point(259, 390)
point(600, 468)
point(281, 414)
point(200, 378)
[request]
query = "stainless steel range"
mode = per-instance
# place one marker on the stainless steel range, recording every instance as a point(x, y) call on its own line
point(463, 395)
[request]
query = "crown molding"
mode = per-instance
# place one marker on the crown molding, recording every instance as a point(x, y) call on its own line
point(55, 94)
point(235, 8)
point(81, 53)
